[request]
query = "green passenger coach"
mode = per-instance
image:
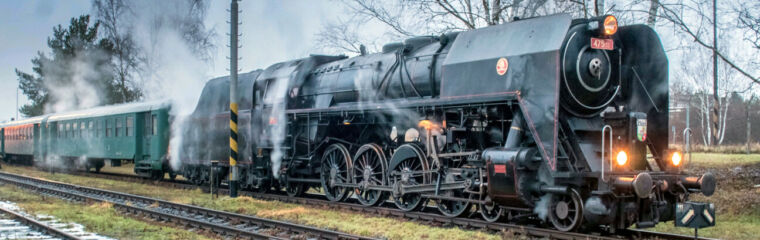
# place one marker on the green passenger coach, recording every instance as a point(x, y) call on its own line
point(135, 132)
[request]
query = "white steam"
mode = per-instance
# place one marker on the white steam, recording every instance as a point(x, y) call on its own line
point(172, 69)
point(76, 83)
point(278, 101)
point(542, 206)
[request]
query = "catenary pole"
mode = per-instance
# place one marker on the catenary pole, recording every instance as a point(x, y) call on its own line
point(233, 98)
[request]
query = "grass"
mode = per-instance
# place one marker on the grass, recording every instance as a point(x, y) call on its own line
point(725, 149)
point(97, 218)
point(344, 221)
point(736, 198)
point(718, 160)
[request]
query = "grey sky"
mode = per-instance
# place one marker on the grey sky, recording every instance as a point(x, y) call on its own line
point(272, 31)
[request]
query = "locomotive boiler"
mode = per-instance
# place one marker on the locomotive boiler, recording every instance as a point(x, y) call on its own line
point(545, 118)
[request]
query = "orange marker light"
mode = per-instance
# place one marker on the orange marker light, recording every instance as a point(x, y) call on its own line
point(622, 157)
point(426, 124)
point(610, 25)
point(676, 159)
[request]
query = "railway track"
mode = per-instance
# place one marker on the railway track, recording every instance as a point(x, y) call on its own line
point(221, 223)
point(25, 227)
point(428, 215)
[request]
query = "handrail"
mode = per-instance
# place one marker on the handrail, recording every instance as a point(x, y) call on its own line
point(687, 143)
point(603, 155)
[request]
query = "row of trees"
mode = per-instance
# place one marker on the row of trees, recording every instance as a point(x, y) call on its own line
point(109, 58)
point(739, 118)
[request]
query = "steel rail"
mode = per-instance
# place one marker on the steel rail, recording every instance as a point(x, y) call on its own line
point(314, 199)
point(40, 226)
point(131, 201)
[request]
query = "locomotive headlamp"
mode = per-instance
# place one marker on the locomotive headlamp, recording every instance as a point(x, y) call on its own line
point(676, 159)
point(610, 25)
point(621, 158)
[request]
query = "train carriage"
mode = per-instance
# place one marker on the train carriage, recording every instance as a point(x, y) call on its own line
point(135, 132)
point(19, 140)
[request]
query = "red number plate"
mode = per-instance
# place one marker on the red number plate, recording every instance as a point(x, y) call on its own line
point(602, 43)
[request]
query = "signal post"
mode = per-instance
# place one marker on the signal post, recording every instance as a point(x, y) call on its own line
point(233, 98)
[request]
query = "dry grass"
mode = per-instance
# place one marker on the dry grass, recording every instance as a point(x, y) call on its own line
point(725, 149)
point(100, 218)
point(344, 221)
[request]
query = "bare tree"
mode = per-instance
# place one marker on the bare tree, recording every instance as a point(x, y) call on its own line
point(130, 24)
point(111, 14)
point(749, 19)
point(433, 17)
point(696, 28)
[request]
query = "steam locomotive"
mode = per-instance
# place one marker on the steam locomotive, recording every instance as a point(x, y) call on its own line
point(550, 118)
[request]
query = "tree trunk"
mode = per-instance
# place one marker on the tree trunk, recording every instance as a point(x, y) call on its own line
point(598, 7)
point(749, 127)
point(654, 4)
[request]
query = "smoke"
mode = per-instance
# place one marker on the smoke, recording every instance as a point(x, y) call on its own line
point(173, 67)
point(542, 206)
point(78, 82)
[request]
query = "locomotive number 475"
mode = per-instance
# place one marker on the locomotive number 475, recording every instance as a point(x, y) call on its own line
point(602, 43)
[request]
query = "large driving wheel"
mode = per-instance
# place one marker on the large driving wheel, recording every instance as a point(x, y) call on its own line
point(409, 170)
point(454, 208)
point(369, 170)
point(294, 189)
point(336, 163)
point(491, 212)
point(566, 211)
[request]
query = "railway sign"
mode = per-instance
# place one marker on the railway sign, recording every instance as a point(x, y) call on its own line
point(602, 43)
point(695, 215)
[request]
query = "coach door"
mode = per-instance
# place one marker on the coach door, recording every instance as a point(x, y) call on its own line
point(2, 143)
point(149, 133)
point(36, 141)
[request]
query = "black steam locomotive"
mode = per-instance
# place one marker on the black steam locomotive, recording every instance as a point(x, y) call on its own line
point(552, 118)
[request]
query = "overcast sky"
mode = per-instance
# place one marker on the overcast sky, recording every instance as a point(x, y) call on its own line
point(272, 31)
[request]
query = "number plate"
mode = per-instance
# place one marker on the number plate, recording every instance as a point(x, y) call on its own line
point(602, 43)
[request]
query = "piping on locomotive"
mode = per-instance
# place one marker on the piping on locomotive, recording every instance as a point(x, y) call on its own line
point(564, 118)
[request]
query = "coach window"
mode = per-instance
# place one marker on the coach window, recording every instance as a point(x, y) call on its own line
point(82, 128)
point(130, 126)
point(109, 126)
point(92, 129)
point(101, 129)
point(148, 127)
point(119, 126)
point(154, 122)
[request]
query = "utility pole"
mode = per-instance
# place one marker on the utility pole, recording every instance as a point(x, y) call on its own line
point(716, 98)
point(233, 98)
